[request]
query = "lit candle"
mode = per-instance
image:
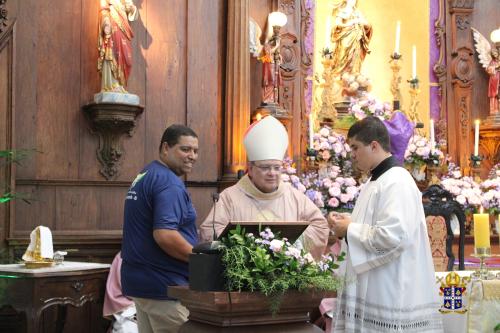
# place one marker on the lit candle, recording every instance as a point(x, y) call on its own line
point(476, 137)
point(328, 34)
point(414, 63)
point(433, 140)
point(482, 230)
point(311, 131)
point(398, 36)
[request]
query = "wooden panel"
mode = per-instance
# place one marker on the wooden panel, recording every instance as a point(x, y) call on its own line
point(76, 209)
point(204, 97)
point(5, 125)
point(58, 88)
point(166, 70)
point(41, 210)
point(202, 200)
point(26, 71)
point(111, 202)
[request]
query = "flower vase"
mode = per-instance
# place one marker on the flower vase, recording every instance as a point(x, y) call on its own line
point(417, 171)
point(322, 169)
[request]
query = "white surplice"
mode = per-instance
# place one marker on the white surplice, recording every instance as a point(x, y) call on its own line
point(388, 268)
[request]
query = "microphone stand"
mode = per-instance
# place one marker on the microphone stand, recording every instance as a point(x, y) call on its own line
point(213, 246)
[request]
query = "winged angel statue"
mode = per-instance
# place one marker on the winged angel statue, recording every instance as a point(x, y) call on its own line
point(489, 58)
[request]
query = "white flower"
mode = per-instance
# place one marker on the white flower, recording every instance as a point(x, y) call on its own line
point(276, 245)
point(324, 132)
point(309, 258)
point(293, 252)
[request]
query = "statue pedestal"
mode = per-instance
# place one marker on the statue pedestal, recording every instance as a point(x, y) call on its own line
point(489, 143)
point(247, 312)
point(111, 121)
point(117, 98)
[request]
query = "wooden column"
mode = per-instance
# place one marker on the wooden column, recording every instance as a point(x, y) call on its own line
point(237, 115)
point(290, 93)
point(461, 71)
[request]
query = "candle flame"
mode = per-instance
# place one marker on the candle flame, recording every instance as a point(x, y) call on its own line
point(481, 210)
point(258, 116)
point(477, 121)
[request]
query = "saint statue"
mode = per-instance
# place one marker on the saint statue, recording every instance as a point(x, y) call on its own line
point(115, 44)
point(489, 57)
point(271, 58)
point(350, 37)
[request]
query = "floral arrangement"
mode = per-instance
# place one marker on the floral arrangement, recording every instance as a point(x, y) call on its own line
point(328, 146)
point(368, 105)
point(491, 195)
point(331, 189)
point(419, 152)
point(464, 190)
point(271, 265)
point(355, 84)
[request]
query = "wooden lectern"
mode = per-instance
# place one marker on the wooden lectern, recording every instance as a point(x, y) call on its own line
point(211, 309)
point(247, 312)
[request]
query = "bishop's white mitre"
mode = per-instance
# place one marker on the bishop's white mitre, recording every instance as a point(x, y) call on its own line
point(266, 139)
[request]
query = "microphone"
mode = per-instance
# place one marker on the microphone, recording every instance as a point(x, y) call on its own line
point(215, 198)
point(213, 246)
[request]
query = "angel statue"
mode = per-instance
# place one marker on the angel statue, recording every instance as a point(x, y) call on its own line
point(489, 58)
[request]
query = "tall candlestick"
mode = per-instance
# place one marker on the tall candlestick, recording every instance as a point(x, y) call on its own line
point(476, 137)
point(328, 34)
point(482, 232)
point(398, 36)
point(433, 140)
point(311, 142)
point(414, 63)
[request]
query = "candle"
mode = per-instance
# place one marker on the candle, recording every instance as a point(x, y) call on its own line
point(311, 131)
point(433, 140)
point(476, 137)
point(482, 231)
point(398, 36)
point(328, 34)
point(414, 63)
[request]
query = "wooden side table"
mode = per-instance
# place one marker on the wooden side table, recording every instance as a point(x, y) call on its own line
point(29, 292)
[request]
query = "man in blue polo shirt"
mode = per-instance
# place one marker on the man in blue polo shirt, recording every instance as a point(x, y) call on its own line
point(159, 232)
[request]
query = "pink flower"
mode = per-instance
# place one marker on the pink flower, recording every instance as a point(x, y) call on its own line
point(333, 202)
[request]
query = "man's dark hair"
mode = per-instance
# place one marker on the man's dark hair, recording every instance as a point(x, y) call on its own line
point(370, 129)
point(174, 132)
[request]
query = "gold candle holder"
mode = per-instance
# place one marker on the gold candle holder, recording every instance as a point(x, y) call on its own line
point(327, 111)
point(396, 81)
point(475, 170)
point(412, 113)
point(482, 272)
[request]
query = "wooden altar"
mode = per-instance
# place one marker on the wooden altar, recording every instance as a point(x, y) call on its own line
point(37, 300)
point(247, 312)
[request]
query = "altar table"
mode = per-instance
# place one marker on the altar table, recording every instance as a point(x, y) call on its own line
point(28, 294)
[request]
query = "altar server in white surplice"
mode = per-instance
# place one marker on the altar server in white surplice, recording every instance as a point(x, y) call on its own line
point(388, 268)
